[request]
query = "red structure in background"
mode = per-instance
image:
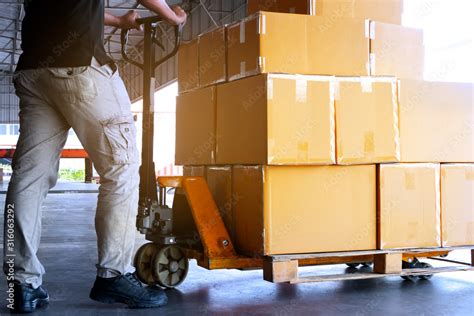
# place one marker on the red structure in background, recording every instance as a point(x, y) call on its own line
point(66, 153)
point(170, 170)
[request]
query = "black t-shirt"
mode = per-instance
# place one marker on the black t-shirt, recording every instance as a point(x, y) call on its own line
point(62, 33)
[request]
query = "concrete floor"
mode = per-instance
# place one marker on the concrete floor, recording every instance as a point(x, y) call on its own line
point(68, 253)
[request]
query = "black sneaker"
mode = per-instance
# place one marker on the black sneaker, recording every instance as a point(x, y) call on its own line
point(27, 299)
point(129, 290)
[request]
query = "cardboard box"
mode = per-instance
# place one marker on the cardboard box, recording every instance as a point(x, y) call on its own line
point(219, 180)
point(408, 214)
point(282, 6)
point(396, 51)
point(212, 57)
point(196, 127)
point(304, 209)
point(297, 44)
point(276, 119)
point(389, 11)
point(188, 66)
point(436, 122)
point(457, 204)
point(367, 121)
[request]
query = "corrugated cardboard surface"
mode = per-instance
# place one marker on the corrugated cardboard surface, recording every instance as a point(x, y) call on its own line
point(188, 66)
point(266, 42)
point(219, 180)
point(457, 204)
point(389, 11)
point(367, 121)
point(196, 127)
point(396, 51)
point(409, 206)
point(319, 205)
point(247, 187)
point(212, 57)
point(276, 119)
point(436, 121)
point(283, 6)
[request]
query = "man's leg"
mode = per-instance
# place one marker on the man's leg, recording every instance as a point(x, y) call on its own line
point(43, 133)
point(99, 111)
point(98, 108)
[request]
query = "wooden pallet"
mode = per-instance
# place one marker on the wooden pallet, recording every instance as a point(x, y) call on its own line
point(284, 268)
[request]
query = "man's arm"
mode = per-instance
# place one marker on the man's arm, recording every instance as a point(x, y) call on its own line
point(174, 15)
point(127, 21)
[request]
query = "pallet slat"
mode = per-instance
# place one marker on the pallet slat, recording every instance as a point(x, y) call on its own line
point(366, 252)
point(372, 275)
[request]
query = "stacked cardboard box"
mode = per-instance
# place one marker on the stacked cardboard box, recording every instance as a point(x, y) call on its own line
point(389, 11)
point(317, 133)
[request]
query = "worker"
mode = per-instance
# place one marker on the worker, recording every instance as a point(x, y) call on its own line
point(64, 80)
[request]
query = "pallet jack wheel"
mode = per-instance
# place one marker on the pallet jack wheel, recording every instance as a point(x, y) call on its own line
point(170, 267)
point(409, 265)
point(143, 260)
point(353, 265)
point(424, 265)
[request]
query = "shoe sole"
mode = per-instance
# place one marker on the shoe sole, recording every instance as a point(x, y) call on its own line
point(30, 308)
point(113, 298)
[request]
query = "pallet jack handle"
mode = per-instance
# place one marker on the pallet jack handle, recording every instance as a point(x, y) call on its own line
point(153, 21)
point(148, 187)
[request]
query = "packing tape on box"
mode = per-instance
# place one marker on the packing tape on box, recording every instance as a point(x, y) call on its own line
point(242, 68)
point(372, 30)
point(367, 29)
point(366, 84)
point(369, 143)
point(301, 90)
point(372, 69)
point(303, 149)
point(270, 89)
point(337, 91)
point(262, 25)
point(242, 32)
point(261, 62)
point(410, 183)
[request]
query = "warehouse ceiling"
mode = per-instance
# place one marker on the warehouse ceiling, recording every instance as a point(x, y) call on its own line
point(203, 15)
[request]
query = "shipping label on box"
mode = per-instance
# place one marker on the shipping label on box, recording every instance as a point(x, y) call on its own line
point(408, 214)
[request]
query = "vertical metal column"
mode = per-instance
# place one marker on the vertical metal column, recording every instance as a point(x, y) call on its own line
point(88, 170)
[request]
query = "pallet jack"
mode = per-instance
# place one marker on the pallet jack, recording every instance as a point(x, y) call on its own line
point(193, 228)
point(197, 231)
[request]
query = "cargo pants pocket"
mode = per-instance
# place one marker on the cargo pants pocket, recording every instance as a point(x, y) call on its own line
point(73, 85)
point(121, 133)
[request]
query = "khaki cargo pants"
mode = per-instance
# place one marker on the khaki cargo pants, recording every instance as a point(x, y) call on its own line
point(93, 101)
